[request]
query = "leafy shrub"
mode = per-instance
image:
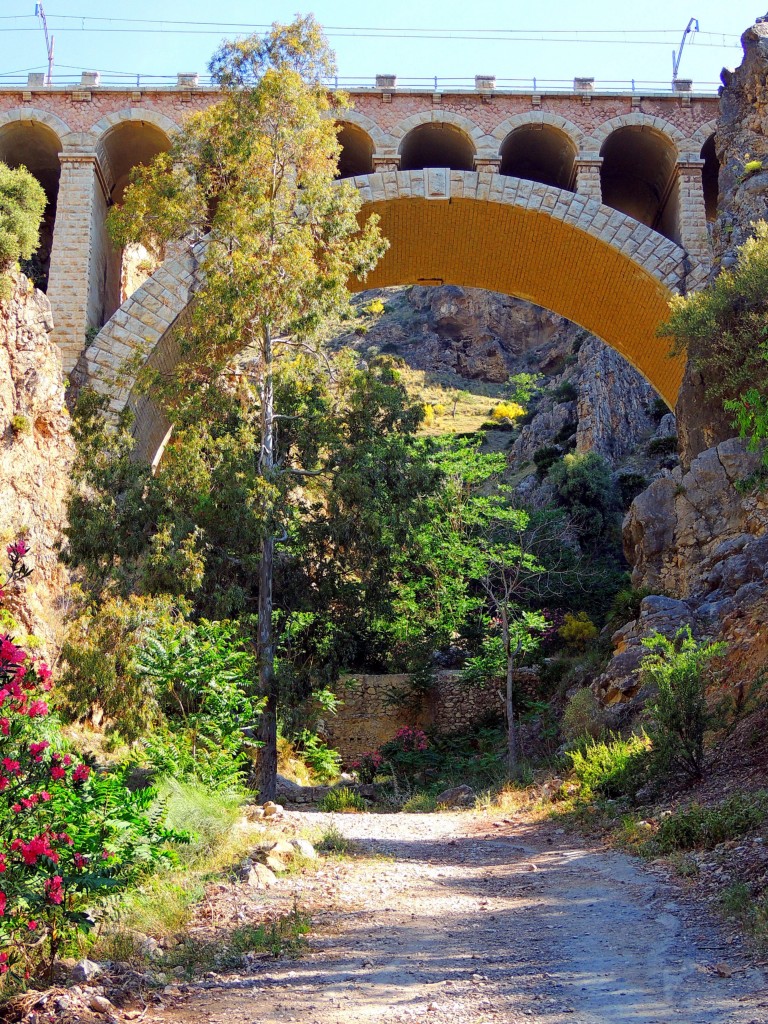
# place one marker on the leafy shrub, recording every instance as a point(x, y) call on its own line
point(147, 669)
point(662, 445)
point(439, 409)
point(342, 799)
point(578, 630)
point(429, 414)
point(565, 392)
point(696, 827)
point(658, 409)
point(566, 435)
point(680, 716)
point(507, 411)
point(333, 840)
point(625, 606)
point(100, 673)
point(752, 167)
point(69, 836)
point(582, 716)
point(20, 425)
point(613, 767)
point(367, 765)
point(544, 458)
point(585, 489)
point(22, 204)
point(374, 308)
point(630, 485)
point(324, 762)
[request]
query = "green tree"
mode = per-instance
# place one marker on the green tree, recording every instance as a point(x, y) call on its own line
point(22, 204)
point(256, 171)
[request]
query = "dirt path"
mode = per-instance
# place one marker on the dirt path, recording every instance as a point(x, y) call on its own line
point(460, 921)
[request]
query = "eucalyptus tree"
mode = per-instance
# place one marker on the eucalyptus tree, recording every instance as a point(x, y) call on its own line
point(255, 174)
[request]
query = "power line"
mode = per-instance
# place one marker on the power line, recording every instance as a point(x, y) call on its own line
point(446, 37)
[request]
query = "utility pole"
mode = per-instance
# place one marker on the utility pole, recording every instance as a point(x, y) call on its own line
point(49, 43)
point(692, 26)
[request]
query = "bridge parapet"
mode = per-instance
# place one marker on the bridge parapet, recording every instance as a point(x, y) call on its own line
point(639, 151)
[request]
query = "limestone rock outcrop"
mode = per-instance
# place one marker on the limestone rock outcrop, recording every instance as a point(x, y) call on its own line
point(698, 538)
point(741, 138)
point(36, 452)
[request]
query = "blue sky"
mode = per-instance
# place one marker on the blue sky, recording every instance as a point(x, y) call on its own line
point(22, 46)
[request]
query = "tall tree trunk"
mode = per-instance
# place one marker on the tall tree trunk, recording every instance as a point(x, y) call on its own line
point(513, 761)
point(266, 642)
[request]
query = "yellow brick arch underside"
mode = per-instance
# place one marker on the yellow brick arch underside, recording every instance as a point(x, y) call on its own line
point(531, 255)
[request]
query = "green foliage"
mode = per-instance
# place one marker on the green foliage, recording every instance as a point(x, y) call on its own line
point(324, 762)
point(523, 387)
point(334, 841)
point(697, 827)
point(662, 445)
point(342, 799)
point(206, 815)
point(565, 392)
point(545, 457)
point(625, 606)
point(724, 329)
point(578, 630)
point(100, 672)
point(680, 717)
point(630, 485)
point(282, 938)
point(582, 716)
point(22, 204)
point(613, 767)
point(20, 425)
point(585, 489)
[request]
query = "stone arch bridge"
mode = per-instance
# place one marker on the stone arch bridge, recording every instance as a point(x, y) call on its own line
point(592, 204)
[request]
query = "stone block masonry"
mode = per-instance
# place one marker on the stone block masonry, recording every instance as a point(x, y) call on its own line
point(82, 126)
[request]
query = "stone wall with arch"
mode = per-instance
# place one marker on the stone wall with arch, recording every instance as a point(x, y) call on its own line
point(82, 281)
point(573, 255)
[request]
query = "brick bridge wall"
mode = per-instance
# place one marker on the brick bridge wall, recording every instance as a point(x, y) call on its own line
point(98, 133)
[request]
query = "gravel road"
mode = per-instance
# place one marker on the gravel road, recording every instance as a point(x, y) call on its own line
point(459, 919)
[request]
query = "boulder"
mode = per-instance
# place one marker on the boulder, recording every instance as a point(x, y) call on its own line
point(260, 877)
point(458, 796)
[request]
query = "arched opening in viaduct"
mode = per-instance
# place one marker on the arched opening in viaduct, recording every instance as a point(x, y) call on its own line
point(539, 152)
point(710, 177)
point(356, 155)
point(36, 146)
point(638, 177)
point(594, 266)
point(125, 146)
point(437, 145)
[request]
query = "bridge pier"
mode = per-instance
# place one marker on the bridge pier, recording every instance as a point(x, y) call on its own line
point(694, 236)
point(588, 167)
point(80, 257)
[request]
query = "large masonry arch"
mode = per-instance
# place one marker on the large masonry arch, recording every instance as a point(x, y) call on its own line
point(562, 250)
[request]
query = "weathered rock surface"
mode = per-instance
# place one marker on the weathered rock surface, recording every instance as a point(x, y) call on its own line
point(741, 136)
point(36, 453)
point(697, 538)
point(683, 526)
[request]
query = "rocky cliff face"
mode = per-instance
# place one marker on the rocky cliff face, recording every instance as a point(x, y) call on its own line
point(484, 336)
point(741, 138)
point(36, 453)
point(694, 535)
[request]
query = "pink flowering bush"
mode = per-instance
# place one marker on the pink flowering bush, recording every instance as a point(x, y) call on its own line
point(69, 835)
point(367, 765)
